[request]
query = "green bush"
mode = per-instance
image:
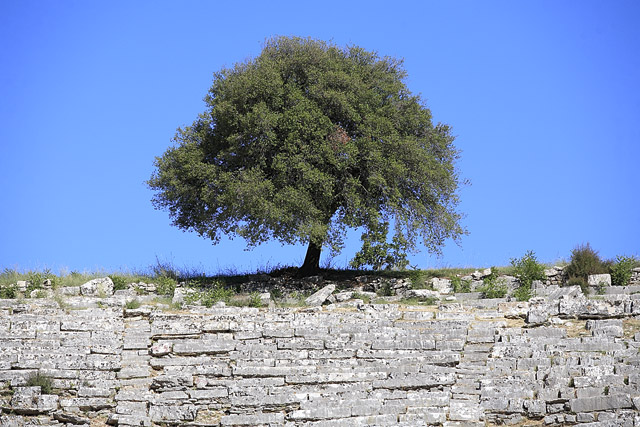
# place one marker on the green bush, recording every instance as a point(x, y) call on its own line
point(523, 293)
point(276, 293)
point(119, 282)
point(255, 300)
point(527, 269)
point(165, 285)
point(621, 270)
point(211, 296)
point(460, 286)
point(585, 261)
point(8, 291)
point(44, 382)
point(493, 290)
point(578, 281)
point(133, 304)
point(386, 290)
point(492, 287)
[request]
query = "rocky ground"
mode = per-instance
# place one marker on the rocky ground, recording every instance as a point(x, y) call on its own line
point(334, 360)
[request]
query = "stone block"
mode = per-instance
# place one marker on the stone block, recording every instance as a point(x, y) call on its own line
point(602, 403)
point(463, 410)
point(321, 296)
point(97, 287)
point(197, 347)
point(172, 414)
point(598, 279)
point(271, 418)
point(31, 401)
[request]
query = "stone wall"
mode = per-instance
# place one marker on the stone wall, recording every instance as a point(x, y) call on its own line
point(561, 360)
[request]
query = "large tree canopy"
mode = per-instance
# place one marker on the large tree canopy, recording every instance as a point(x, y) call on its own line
point(306, 140)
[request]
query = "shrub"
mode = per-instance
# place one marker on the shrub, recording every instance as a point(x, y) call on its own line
point(8, 291)
point(255, 300)
point(527, 269)
point(492, 278)
point(119, 282)
point(165, 285)
point(578, 281)
point(386, 290)
point(276, 293)
point(523, 293)
point(492, 287)
point(211, 296)
point(585, 261)
point(460, 286)
point(365, 298)
point(493, 290)
point(44, 382)
point(621, 270)
point(133, 304)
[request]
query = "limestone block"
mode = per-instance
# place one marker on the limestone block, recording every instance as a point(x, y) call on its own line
point(441, 285)
point(463, 410)
point(321, 296)
point(97, 287)
point(320, 413)
point(415, 381)
point(94, 391)
point(208, 394)
point(271, 418)
point(597, 279)
point(197, 347)
point(129, 420)
point(164, 382)
point(161, 348)
point(172, 414)
point(87, 403)
point(31, 401)
point(422, 293)
point(71, 418)
point(69, 290)
point(609, 327)
point(131, 408)
point(602, 403)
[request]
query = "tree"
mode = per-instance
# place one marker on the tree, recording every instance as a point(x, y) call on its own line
point(306, 140)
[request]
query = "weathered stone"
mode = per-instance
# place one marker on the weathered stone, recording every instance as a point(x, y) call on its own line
point(601, 403)
point(31, 401)
point(599, 280)
point(97, 287)
point(172, 414)
point(441, 285)
point(253, 419)
point(321, 296)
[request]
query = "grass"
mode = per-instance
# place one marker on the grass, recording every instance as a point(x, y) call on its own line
point(133, 304)
point(419, 301)
point(630, 327)
point(42, 381)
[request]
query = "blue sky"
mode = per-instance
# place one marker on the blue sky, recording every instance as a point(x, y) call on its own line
point(544, 97)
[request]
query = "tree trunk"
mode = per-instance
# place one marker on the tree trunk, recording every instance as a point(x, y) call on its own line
point(311, 265)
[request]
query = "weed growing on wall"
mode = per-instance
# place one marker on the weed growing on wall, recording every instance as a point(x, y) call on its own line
point(621, 270)
point(44, 382)
point(526, 269)
point(493, 287)
point(460, 286)
point(584, 261)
